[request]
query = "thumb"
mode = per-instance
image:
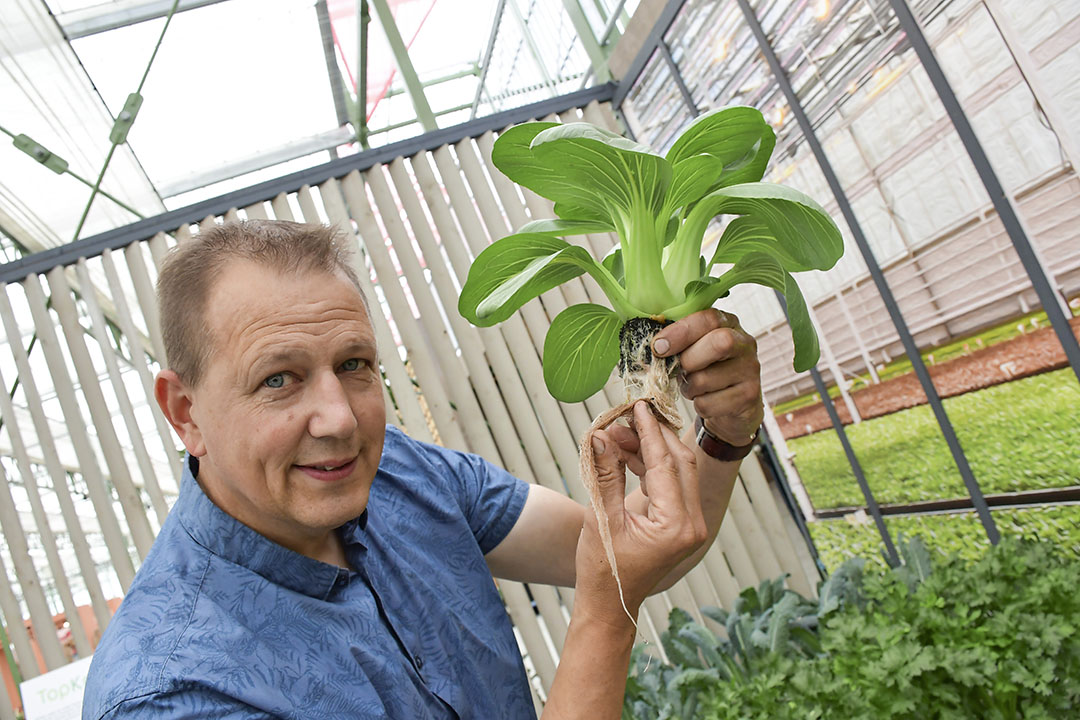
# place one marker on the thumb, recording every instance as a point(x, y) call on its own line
point(610, 475)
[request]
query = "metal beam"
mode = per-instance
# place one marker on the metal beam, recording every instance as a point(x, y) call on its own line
point(856, 466)
point(406, 123)
point(258, 161)
point(605, 34)
point(333, 72)
point(1029, 258)
point(680, 81)
point(405, 66)
point(167, 222)
point(597, 54)
point(93, 20)
point(783, 482)
point(882, 284)
point(363, 20)
point(473, 69)
point(485, 61)
point(656, 36)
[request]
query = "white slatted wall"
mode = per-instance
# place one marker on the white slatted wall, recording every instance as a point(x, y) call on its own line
point(84, 421)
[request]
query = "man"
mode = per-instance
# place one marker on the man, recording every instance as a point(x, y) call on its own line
point(319, 564)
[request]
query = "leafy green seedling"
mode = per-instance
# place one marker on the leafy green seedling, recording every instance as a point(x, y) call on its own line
point(660, 207)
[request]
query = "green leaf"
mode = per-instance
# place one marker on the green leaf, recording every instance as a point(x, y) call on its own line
point(757, 268)
point(692, 178)
point(573, 211)
point(705, 641)
point(517, 268)
point(614, 263)
point(717, 615)
point(784, 222)
point(751, 168)
point(760, 269)
point(803, 334)
point(783, 613)
point(600, 169)
point(512, 154)
point(560, 227)
point(807, 641)
point(729, 134)
point(580, 351)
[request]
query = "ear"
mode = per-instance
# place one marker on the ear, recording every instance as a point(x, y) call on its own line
point(175, 399)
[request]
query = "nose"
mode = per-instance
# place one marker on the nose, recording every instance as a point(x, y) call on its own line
point(332, 415)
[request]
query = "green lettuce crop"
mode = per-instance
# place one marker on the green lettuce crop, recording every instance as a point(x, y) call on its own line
point(660, 207)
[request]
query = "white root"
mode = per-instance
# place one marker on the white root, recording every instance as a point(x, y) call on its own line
point(657, 387)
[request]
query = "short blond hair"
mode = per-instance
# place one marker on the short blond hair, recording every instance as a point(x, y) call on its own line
point(191, 270)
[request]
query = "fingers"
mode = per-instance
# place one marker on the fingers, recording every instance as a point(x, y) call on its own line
point(679, 336)
point(721, 373)
point(610, 475)
point(718, 346)
point(626, 438)
point(630, 446)
point(741, 376)
point(670, 466)
point(738, 401)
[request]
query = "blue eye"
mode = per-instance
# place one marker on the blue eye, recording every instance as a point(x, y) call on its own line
point(275, 381)
point(351, 364)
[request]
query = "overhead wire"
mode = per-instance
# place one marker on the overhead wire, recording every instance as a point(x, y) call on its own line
point(114, 140)
point(84, 181)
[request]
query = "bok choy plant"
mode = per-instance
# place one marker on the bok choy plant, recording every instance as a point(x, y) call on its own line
point(660, 206)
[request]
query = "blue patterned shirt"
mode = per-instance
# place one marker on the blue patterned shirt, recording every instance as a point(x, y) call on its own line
point(221, 622)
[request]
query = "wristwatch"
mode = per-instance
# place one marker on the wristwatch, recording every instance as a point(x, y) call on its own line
point(716, 448)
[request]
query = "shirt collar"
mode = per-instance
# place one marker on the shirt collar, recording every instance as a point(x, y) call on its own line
point(227, 537)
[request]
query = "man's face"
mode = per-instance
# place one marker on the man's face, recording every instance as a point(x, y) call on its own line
point(289, 410)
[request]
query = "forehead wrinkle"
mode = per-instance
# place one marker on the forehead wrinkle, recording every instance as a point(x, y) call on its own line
point(285, 336)
point(250, 323)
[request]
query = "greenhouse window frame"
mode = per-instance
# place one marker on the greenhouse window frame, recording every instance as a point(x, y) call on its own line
point(121, 237)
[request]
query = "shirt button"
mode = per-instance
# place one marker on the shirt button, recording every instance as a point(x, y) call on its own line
point(419, 662)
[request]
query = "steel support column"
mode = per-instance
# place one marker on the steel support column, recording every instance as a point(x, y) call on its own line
point(363, 19)
point(882, 284)
point(405, 66)
point(1049, 297)
point(776, 466)
point(680, 81)
point(856, 466)
point(333, 72)
point(656, 36)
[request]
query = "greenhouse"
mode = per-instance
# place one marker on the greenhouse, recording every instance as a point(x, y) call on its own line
point(880, 198)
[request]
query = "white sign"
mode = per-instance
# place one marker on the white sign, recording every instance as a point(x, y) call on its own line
point(56, 695)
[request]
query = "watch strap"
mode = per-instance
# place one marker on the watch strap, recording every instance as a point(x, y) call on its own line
point(716, 448)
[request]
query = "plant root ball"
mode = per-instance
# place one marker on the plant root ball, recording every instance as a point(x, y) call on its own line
point(646, 377)
point(635, 345)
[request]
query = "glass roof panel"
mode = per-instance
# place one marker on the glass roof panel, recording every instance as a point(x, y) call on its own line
point(230, 80)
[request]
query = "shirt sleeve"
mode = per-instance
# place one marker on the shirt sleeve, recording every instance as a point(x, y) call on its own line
point(489, 498)
point(191, 704)
point(493, 499)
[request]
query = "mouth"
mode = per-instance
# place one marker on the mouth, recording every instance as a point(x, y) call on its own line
point(329, 470)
